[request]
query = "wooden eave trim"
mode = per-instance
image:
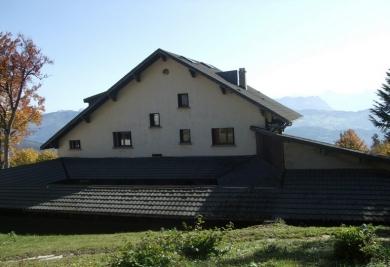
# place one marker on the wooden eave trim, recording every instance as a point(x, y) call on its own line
point(193, 72)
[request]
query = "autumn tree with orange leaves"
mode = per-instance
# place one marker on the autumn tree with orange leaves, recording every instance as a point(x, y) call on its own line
point(349, 139)
point(21, 63)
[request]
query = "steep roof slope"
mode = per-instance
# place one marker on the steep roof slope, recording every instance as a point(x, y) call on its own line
point(209, 71)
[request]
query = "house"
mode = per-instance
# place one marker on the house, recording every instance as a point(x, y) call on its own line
point(171, 105)
point(175, 138)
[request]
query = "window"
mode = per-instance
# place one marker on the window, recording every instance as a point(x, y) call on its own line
point(185, 136)
point(154, 119)
point(183, 100)
point(122, 139)
point(223, 136)
point(74, 144)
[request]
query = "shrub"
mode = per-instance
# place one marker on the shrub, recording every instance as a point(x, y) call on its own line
point(356, 243)
point(149, 252)
point(47, 154)
point(12, 235)
point(198, 243)
point(279, 222)
point(24, 156)
point(381, 258)
point(194, 242)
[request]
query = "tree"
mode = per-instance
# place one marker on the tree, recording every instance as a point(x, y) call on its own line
point(47, 154)
point(380, 147)
point(375, 140)
point(349, 139)
point(380, 113)
point(31, 156)
point(21, 63)
point(23, 157)
point(383, 148)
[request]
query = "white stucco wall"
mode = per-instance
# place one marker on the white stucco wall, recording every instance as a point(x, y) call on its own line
point(157, 93)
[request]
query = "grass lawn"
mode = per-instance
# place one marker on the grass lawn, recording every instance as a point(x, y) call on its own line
point(262, 245)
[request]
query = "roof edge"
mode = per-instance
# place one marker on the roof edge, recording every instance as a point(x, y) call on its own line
point(324, 145)
point(100, 99)
point(92, 98)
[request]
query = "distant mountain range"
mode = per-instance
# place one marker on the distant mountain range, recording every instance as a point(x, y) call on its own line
point(319, 122)
point(51, 123)
point(326, 126)
point(303, 103)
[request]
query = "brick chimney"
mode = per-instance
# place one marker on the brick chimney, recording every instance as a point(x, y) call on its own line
point(242, 78)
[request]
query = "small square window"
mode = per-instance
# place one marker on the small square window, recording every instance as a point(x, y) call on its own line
point(74, 144)
point(122, 139)
point(183, 101)
point(222, 136)
point(185, 136)
point(154, 119)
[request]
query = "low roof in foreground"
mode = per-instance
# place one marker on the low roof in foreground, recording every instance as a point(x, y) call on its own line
point(246, 189)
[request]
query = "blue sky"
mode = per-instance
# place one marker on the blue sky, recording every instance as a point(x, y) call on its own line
point(338, 50)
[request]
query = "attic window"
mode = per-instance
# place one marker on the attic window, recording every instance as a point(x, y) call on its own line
point(222, 136)
point(154, 119)
point(183, 101)
point(74, 144)
point(122, 139)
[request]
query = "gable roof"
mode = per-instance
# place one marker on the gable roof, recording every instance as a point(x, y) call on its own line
point(209, 71)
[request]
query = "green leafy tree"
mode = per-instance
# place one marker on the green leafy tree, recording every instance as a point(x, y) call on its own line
point(349, 139)
point(380, 113)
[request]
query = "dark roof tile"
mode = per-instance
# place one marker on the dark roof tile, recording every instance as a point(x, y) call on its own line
point(335, 195)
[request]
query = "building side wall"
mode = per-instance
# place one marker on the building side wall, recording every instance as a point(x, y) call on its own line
point(157, 93)
point(302, 156)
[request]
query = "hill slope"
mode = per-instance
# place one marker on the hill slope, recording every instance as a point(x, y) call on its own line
point(51, 123)
point(302, 103)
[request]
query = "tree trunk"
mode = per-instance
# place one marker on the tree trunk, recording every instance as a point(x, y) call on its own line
point(1, 152)
point(5, 162)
